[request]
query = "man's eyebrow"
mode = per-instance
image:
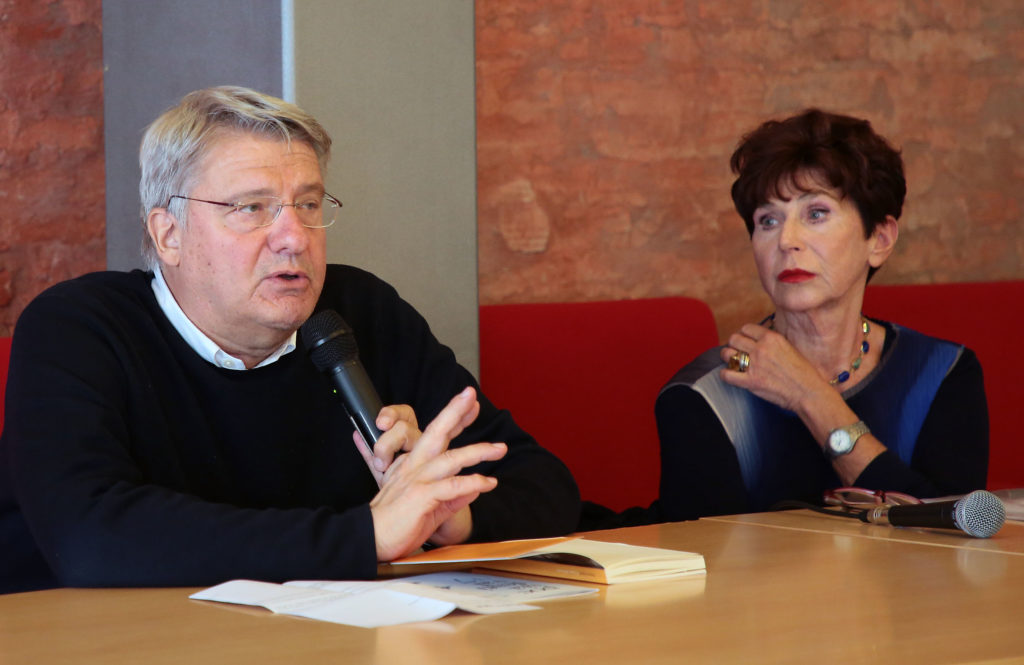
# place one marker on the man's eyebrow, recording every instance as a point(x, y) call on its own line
point(266, 191)
point(237, 196)
point(317, 187)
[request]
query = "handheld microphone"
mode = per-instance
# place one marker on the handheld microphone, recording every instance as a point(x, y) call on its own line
point(980, 514)
point(332, 348)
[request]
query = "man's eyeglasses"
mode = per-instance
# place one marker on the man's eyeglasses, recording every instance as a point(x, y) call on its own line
point(857, 498)
point(258, 211)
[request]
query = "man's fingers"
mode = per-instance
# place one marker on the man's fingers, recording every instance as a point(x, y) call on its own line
point(367, 455)
point(402, 435)
point(462, 489)
point(404, 520)
point(394, 413)
point(422, 490)
point(405, 473)
point(454, 460)
point(393, 468)
point(449, 423)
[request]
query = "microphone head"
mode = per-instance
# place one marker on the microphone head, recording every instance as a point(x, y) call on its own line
point(980, 514)
point(329, 340)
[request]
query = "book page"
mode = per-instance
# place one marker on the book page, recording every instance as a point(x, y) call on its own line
point(504, 549)
point(475, 592)
point(621, 559)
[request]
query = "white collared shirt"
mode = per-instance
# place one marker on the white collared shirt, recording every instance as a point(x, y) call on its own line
point(203, 345)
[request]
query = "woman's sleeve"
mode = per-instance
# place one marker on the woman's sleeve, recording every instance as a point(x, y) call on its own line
point(951, 454)
point(700, 473)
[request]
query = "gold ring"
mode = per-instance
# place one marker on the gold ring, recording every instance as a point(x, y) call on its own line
point(739, 362)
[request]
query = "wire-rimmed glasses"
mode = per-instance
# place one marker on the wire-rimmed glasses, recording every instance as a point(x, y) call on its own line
point(857, 498)
point(253, 212)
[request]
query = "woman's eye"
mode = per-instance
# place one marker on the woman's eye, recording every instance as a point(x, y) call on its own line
point(818, 213)
point(766, 222)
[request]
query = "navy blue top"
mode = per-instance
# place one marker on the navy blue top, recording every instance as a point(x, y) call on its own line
point(724, 450)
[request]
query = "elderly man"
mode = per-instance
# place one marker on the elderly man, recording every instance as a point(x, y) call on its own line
point(166, 427)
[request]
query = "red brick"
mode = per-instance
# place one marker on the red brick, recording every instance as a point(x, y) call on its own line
point(51, 162)
point(628, 145)
point(5, 292)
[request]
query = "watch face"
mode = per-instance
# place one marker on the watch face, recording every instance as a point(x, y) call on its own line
point(839, 441)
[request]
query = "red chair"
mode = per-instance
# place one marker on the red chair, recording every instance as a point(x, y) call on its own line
point(582, 379)
point(987, 317)
point(5, 357)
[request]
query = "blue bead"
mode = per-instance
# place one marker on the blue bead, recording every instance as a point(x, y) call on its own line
point(864, 346)
point(843, 376)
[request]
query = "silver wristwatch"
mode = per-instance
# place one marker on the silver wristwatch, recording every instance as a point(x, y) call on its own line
point(842, 439)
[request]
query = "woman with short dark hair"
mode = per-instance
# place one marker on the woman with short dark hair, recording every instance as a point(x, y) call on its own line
point(816, 395)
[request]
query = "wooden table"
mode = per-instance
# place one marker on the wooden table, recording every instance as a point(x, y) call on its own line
point(780, 588)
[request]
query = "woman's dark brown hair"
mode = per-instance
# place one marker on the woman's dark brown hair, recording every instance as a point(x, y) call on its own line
point(839, 150)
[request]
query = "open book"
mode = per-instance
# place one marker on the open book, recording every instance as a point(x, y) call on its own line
point(569, 558)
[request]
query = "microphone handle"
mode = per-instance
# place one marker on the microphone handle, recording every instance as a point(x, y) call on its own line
point(359, 397)
point(980, 514)
point(940, 514)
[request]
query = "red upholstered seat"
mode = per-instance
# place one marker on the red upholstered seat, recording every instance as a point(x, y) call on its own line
point(582, 378)
point(988, 317)
point(5, 357)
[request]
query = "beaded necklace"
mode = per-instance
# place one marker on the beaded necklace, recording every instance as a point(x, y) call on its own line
point(844, 376)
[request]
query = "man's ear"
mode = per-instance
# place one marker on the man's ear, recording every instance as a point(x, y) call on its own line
point(165, 232)
point(883, 241)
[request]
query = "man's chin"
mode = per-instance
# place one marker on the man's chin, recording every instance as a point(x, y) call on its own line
point(288, 308)
point(287, 316)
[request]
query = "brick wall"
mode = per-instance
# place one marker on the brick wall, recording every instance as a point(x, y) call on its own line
point(604, 130)
point(51, 147)
point(605, 127)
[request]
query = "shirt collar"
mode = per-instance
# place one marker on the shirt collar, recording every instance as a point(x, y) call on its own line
point(203, 345)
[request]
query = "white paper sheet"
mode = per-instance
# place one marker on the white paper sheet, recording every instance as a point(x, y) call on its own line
point(367, 608)
point(391, 602)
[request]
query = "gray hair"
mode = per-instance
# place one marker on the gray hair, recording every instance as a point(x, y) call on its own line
point(174, 145)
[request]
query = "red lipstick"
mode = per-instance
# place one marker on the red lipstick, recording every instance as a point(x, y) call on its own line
point(794, 276)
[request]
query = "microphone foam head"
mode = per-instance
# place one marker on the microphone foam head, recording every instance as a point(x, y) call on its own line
point(980, 514)
point(329, 340)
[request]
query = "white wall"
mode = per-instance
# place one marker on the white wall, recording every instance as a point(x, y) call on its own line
point(393, 81)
